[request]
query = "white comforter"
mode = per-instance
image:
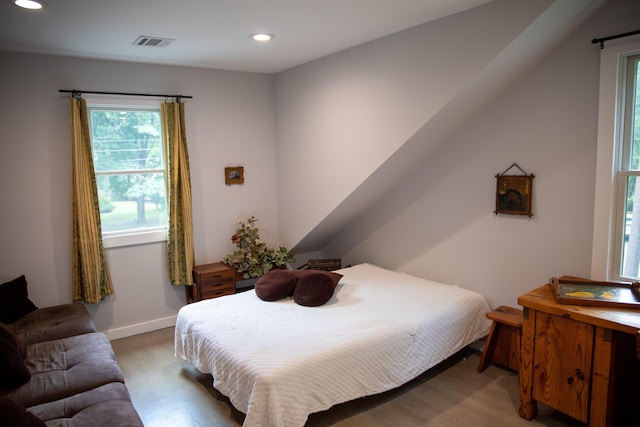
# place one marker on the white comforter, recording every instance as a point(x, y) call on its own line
point(278, 362)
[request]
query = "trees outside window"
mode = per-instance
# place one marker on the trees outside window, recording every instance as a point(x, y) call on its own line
point(129, 163)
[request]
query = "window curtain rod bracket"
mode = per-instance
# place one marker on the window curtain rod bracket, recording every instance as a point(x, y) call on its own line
point(78, 94)
point(617, 36)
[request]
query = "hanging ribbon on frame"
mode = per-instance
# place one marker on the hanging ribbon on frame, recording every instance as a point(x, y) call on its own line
point(514, 192)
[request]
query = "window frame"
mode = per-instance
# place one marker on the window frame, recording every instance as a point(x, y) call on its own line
point(610, 189)
point(139, 236)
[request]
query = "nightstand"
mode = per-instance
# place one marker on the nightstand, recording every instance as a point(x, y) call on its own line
point(211, 281)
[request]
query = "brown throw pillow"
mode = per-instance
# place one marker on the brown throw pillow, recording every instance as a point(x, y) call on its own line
point(8, 334)
point(275, 285)
point(14, 414)
point(335, 277)
point(13, 371)
point(14, 301)
point(314, 289)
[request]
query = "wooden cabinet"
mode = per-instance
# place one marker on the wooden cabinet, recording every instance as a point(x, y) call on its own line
point(211, 281)
point(562, 364)
point(579, 360)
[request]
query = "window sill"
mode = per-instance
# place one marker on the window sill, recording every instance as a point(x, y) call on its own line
point(134, 238)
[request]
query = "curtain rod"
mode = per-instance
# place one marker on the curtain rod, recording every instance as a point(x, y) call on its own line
point(617, 36)
point(80, 92)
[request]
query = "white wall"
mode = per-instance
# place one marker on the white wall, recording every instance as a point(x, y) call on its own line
point(230, 121)
point(439, 222)
point(339, 118)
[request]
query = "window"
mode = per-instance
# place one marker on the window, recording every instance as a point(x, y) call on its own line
point(615, 232)
point(627, 223)
point(129, 164)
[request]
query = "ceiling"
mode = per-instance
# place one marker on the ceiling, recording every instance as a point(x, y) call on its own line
point(213, 33)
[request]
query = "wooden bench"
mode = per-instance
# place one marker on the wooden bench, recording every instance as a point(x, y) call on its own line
point(503, 343)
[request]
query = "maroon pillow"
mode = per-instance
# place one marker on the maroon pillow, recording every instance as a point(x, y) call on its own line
point(335, 277)
point(13, 371)
point(14, 414)
point(14, 302)
point(8, 334)
point(314, 289)
point(275, 285)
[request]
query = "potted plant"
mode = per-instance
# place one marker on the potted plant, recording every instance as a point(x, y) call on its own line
point(253, 257)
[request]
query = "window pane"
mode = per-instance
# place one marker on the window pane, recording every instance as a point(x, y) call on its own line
point(628, 221)
point(132, 201)
point(634, 112)
point(126, 140)
point(631, 242)
point(128, 159)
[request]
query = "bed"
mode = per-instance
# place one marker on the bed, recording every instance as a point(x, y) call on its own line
point(279, 362)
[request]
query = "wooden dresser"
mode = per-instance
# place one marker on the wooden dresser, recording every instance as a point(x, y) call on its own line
point(211, 281)
point(580, 360)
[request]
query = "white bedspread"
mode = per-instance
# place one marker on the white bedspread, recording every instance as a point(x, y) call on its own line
point(278, 362)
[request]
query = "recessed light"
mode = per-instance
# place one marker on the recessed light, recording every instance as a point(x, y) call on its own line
point(30, 4)
point(262, 37)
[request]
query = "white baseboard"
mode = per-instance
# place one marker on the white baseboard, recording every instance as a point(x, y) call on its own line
point(141, 328)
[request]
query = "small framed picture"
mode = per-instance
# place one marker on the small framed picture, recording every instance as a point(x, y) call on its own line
point(234, 175)
point(513, 194)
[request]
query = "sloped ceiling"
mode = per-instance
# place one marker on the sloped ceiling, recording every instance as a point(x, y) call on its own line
point(558, 19)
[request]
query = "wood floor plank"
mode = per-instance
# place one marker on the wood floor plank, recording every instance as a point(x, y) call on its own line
point(170, 392)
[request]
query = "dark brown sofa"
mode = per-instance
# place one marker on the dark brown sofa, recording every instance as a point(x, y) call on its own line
point(72, 376)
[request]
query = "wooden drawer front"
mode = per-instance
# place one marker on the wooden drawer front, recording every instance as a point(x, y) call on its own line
point(218, 289)
point(215, 276)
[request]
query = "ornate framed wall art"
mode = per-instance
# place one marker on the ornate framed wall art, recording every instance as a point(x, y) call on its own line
point(234, 175)
point(514, 193)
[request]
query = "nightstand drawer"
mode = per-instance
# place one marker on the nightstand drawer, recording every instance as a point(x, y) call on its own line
point(211, 281)
point(218, 289)
point(216, 276)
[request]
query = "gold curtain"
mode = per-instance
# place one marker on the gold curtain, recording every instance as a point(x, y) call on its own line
point(180, 232)
point(91, 280)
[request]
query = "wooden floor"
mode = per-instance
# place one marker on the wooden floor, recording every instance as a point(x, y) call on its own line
point(170, 392)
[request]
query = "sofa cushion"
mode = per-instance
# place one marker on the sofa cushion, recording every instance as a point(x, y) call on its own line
point(15, 415)
point(8, 334)
point(13, 371)
point(107, 405)
point(14, 300)
point(64, 367)
point(52, 323)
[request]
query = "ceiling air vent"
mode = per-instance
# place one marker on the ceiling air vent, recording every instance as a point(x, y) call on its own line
point(152, 41)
